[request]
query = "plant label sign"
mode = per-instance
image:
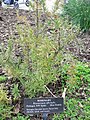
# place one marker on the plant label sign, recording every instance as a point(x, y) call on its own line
point(43, 105)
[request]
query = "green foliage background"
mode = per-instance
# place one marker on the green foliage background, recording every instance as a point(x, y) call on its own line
point(79, 12)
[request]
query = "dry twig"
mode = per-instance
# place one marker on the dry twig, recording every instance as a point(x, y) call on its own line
point(64, 92)
point(50, 91)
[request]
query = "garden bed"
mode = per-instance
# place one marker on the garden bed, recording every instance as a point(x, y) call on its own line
point(9, 20)
point(78, 95)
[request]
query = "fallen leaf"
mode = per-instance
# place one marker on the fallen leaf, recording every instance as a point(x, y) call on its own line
point(17, 108)
point(80, 105)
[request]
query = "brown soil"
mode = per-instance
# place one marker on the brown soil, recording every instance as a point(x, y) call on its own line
point(9, 20)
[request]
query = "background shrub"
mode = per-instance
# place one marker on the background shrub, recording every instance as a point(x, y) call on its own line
point(79, 13)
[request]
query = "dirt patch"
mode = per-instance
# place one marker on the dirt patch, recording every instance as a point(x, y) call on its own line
point(9, 20)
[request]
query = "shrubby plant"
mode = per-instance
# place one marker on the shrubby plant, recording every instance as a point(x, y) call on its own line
point(5, 108)
point(21, 117)
point(74, 111)
point(36, 57)
point(74, 75)
point(3, 78)
point(79, 12)
point(15, 92)
point(3, 95)
point(35, 61)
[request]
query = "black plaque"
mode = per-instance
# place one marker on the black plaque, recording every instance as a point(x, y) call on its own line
point(43, 105)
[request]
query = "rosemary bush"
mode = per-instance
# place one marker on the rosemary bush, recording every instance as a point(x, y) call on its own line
point(35, 61)
point(37, 56)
